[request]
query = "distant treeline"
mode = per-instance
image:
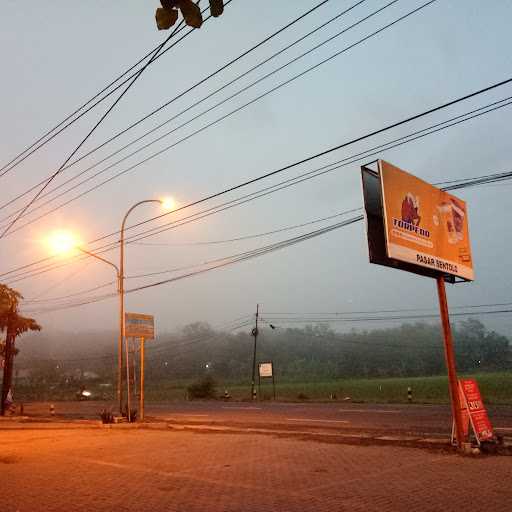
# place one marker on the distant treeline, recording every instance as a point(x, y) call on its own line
point(314, 352)
point(317, 352)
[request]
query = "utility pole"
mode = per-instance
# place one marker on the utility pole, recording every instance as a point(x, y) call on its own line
point(255, 334)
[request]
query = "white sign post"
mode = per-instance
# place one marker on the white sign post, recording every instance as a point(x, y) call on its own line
point(266, 370)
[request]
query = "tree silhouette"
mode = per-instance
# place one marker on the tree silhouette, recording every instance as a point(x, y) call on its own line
point(14, 325)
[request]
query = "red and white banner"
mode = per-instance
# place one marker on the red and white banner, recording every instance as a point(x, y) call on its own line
point(472, 403)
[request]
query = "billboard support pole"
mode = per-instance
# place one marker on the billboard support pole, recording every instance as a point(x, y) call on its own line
point(450, 361)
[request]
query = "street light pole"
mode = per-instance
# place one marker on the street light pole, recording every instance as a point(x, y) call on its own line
point(120, 338)
point(122, 326)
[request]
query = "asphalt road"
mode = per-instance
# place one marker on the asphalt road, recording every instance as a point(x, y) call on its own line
point(399, 418)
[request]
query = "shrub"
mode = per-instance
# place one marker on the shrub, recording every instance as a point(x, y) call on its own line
point(204, 388)
point(107, 416)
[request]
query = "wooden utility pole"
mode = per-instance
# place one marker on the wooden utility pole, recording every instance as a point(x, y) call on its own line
point(450, 361)
point(255, 334)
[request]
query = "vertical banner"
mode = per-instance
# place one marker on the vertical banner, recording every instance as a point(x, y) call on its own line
point(476, 409)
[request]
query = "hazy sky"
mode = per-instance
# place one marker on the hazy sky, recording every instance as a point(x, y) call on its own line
point(57, 54)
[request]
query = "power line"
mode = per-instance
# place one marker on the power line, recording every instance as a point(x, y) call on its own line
point(303, 177)
point(213, 123)
point(93, 129)
point(180, 95)
point(155, 349)
point(109, 283)
point(291, 315)
point(273, 172)
point(70, 295)
point(30, 150)
point(404, 139)
point(249, 237)
point(220, 263)
point(386, 318)
point(191, 106)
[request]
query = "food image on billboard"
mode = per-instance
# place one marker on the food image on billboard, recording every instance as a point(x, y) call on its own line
point(424, 225)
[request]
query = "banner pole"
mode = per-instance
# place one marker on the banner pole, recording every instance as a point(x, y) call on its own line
point(450, 361)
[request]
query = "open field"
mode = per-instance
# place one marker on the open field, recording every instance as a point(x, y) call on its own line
point(495, 387)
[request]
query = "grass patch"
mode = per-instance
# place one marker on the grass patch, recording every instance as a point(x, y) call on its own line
point(496, 388)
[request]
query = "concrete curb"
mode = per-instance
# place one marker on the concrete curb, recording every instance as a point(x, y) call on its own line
point(441, 442)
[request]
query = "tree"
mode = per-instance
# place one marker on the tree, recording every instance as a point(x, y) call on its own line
point(14, 325)
point(167, 15)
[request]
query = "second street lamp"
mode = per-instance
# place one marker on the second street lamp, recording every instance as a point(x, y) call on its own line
point(167, 204)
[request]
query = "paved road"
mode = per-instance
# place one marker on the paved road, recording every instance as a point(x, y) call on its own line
point(413, 419)
point(143, 470)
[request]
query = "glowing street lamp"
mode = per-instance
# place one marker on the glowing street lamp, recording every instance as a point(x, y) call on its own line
point(168, 203)
point(63, 242)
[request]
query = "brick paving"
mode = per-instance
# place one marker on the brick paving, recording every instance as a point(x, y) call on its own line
point(139, 470)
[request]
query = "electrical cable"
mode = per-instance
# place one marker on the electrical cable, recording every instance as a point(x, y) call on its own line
point(93, 129)
point(213, 123)
point(248, 237)
point(322, 169)
point(298, 163)
point(287, 228)
point(183, 342)
point(61, 185)
point(385, 318)
point(220, 263)
point(288, 315)
point(183, 93)
point(21, 156)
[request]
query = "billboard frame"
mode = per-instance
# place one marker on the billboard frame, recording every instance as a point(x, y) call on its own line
point(376, 229)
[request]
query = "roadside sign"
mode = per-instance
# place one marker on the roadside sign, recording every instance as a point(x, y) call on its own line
point(473, 411)
point(414, 226)
point(476, 409)
point(265, 369)
point(138, 325)
point(424, 225)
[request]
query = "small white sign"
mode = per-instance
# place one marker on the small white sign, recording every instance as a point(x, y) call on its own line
point(265, 369)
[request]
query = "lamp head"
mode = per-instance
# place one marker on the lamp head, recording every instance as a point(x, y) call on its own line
point(62, 242)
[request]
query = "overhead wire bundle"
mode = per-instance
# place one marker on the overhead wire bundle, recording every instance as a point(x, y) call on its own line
point(214, 122)
point(22, 273)
point(44, 264)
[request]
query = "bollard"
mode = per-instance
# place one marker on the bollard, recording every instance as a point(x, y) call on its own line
point(52, 409)
point(409, 394)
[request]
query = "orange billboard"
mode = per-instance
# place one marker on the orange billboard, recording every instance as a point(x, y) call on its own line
point(423, 224)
